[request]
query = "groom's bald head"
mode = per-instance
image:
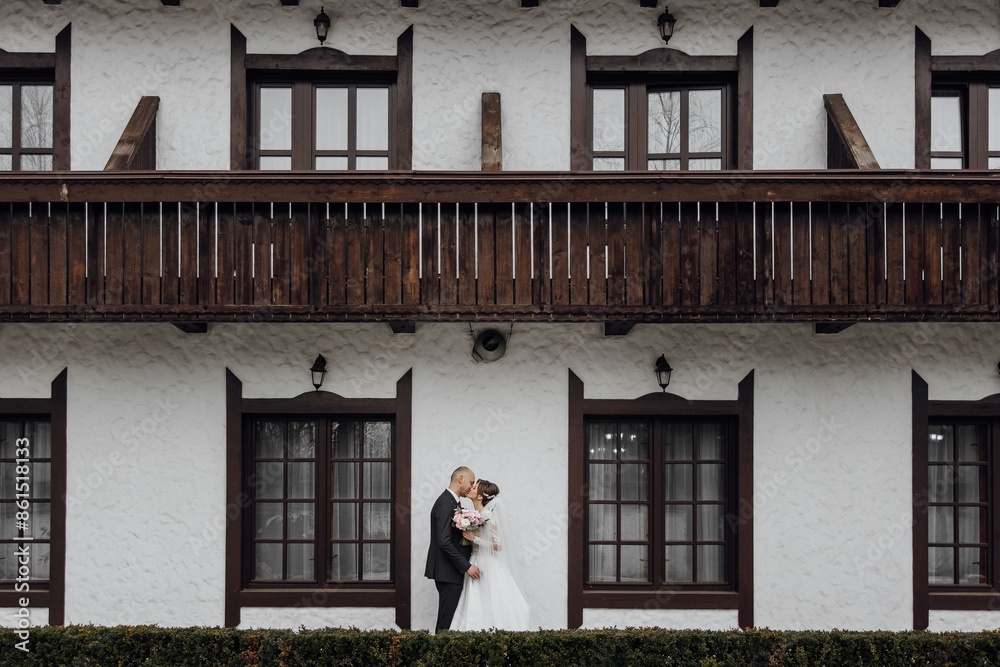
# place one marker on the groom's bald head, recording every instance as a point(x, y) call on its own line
point(462, 480)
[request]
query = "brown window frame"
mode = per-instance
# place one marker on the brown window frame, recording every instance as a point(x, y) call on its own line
point(656, 541)
point(319, 66)
point(660, 68)
point(303, 150)
point(52, 592)
point(968, 76)
point(241, 591)
point(736, 594)
point(985, 596)
point(23, 68)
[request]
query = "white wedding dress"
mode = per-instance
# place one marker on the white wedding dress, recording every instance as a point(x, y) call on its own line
point(493, 601)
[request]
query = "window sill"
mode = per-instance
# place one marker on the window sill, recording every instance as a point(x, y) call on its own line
point(661, 598)
point(982, 599)
point(318, 597)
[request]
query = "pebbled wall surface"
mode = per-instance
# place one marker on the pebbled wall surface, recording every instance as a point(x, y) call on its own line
point(146, 462)
point(123, 49)
point(832, 445)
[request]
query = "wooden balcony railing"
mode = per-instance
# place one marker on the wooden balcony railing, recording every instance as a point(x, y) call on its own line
point(727, 247)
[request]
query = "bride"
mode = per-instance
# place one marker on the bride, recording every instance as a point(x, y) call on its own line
point(493, 600)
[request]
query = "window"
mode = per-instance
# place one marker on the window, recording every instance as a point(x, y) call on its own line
point(33, 481)
point(305, 125)
point(662, 110)
point(958, 528)
point(651, 473)
point(322, 109)
point(35, 108)
point(965, 126)
point(321, 484)
point(955, 563)
point(351, 533)
point(25, 126)
point(661, 128)
point(659, 491)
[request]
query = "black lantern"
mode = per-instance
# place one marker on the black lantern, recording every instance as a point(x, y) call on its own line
point(663, 371)
point(666, 25)
point(318, 371)
point(322, 24)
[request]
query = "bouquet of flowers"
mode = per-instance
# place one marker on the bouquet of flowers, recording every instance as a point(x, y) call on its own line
point(468, 520)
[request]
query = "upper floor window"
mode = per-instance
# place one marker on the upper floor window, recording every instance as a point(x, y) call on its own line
point(662, 110)
point(965, 126)
point(322, 109)
point(25, 126)
point(661, 127)
point(324, 126)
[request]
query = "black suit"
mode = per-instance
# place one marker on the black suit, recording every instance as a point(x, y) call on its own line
point(447, 558)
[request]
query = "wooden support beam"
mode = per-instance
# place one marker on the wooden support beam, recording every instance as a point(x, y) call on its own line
point(768, 3)
point(492, 150)
point(403, 327)
point(192, 327)
point(846, 144)
point(136, 149)
point(831, 327)
point(618, 328)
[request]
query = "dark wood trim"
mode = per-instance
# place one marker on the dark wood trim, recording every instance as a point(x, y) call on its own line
point(321, 58)
point(769, 3)
point(909, 186)
point(136, 149)
point(922, 99)
point(852, 140)
point(236, 500)
point(576, 506)
point(57, 553)
point(832, 327)
point(744, 502)
point(744, 101)
point(239, 151)
point(988, 407)
point(989, 62)
point(658, 404)
point(491, 152)
point(61, 94)
point(404, 100)
point(403, 510)
point(887, 4)
point(53, 593)
point(665, 598)
point(580, 140)
point(657, 61)
point(396, 594)
point(919, 416)
point(988, 601)
point(25, 60)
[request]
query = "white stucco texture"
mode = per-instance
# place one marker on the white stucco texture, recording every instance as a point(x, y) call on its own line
point(832, 549)
point(123, 49)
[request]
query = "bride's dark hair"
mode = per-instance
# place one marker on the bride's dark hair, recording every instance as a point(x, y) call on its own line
point(488, 490)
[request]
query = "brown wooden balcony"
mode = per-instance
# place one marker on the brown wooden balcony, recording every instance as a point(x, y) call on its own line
point(832, 246)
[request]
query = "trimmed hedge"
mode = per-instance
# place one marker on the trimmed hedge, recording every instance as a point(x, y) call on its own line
point(90, 646)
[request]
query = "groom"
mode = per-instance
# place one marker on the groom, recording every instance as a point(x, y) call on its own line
point(447, 559)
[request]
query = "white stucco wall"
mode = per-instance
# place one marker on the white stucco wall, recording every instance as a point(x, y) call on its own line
point(146, 460)
point(123, 49)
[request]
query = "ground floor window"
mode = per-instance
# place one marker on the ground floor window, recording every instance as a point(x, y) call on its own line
point(660, 491)
point(321, 501)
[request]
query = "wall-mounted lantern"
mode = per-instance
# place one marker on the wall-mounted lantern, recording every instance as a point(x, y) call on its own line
point(322, 23)
point(318, 371)
point(666, 25)
point(663, 371)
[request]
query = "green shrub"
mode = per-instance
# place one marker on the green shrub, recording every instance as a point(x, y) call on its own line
point(151, 646)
